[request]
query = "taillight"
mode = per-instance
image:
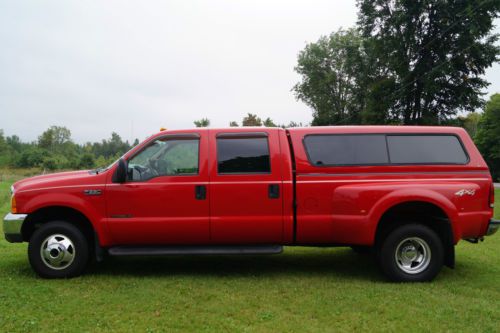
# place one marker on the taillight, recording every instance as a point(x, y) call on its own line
point(492, 196)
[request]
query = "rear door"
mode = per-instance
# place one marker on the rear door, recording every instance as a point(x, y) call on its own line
point(246, 202)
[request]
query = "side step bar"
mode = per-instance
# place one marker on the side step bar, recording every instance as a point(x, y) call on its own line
point(193, 250)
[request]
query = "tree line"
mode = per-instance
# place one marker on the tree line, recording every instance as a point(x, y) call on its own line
point(250, 120)
point(54, 150)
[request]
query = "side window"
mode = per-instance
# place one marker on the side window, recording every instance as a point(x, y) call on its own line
point(165, 157)
point(426, 149)
point(349, 149)
point(243, 155)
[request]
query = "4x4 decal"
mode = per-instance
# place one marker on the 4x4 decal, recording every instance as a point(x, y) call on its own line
point(463, 192)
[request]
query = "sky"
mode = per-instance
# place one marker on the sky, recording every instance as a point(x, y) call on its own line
point(132, 67)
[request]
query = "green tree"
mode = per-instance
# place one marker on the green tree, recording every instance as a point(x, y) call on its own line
point(86, 161)
point(31, 157)
point(54, 138)
point(54, 161)
point(102, 162)
point(294, 124)
point(470, 122)
point(251, 120)
point(4, 150)
point(233, 124)
point(269, 123)
point(378, 102)
point(115, 146)
point(203, 122)
point(434, 51)
point(14, 142)
point(488, 135)
point(332, 78)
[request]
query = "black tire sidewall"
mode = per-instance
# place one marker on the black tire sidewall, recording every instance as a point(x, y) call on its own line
point(387, 251)
point(74, 234)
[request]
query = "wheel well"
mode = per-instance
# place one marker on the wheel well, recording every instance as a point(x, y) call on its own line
point(420, 212)
point(47, 214)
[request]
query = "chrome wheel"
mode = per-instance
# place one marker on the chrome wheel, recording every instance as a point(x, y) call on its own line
point(413, 255)
point(57, 252)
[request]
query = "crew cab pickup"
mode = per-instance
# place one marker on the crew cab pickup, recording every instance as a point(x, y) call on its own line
point(406, 194)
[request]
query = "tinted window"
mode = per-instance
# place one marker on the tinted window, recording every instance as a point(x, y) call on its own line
point(426, 149)
point(243, 155)
point(346, 149)
point(165, 158)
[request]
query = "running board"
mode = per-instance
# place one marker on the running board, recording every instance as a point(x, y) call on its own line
point(193, 250)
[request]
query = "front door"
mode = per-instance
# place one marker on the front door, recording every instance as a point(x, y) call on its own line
point(246, 204)
point(164, 200)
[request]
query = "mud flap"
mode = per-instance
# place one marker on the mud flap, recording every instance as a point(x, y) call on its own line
point(449, 247)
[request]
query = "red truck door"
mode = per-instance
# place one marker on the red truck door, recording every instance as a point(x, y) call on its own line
point(246, 201)
point(164, 200)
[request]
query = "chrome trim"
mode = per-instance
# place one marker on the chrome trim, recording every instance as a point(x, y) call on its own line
point(11, 189)
point(493, 227)
point(57, 252)
point(12, 224)
point(413, 255)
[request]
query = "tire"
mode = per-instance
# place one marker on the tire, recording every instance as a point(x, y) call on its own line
point(411, 253)
point(58, 250)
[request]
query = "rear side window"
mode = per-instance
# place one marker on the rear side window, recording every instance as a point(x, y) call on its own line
point(243, 155)
point(426, 149)
point(357, 149)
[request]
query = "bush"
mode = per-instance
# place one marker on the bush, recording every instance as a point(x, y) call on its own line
point(86, 161)
point(32, 157)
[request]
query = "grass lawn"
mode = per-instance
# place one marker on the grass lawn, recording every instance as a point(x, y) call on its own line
point(302, 290)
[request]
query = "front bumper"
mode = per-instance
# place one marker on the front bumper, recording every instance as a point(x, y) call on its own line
point(493, 227)
point(12, 224)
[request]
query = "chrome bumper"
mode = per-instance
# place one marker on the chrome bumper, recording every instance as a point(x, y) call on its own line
point(493, 227)
point(12, 224)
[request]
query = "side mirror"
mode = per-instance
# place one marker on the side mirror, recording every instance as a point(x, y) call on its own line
point(120, 175)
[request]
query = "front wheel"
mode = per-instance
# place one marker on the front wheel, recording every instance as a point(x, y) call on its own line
point(58, 250)
point(411, 253)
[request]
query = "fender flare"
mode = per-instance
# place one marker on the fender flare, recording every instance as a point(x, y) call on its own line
point(402, 196)
point(48, 200)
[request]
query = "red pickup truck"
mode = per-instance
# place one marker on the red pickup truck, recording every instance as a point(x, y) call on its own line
point(407, 194)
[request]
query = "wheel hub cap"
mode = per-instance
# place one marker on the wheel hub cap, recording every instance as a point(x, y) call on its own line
point(57, 252)
point(413, 255)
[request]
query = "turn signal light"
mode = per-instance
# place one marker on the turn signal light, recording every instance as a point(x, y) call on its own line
point(13, 206)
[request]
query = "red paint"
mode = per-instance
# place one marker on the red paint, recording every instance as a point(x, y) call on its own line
point(334, 204)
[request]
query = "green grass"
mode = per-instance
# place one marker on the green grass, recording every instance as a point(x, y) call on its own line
point(302, 290)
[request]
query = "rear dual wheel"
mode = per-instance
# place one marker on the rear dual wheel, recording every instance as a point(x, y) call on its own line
point(411, 253)
point(58, 250)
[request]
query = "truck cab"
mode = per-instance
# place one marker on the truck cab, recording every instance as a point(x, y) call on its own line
point(407, 194)
point(202, 187)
